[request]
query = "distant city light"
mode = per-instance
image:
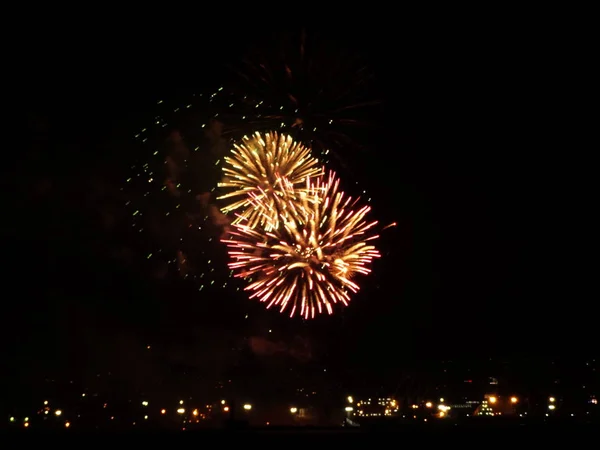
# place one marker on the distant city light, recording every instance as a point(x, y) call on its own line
point(428, 404)
point(350, 399)
point(514, 399)
point(247, 407)
point(181, 411)
point(293, 410)
point(493, 399)
point(58, 412)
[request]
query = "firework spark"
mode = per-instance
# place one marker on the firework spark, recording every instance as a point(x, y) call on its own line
point(255, 169)
point(318, 241)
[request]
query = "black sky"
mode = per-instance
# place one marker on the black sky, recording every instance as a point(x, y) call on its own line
point(472, 162)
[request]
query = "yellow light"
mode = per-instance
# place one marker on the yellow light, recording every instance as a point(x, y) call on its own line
point(163, 411)
point(349, 408)
point(180, 411)
point(350, 399)
point(26, 419)
point(293, 410)
point(222, 402)
point(428, 404)
point(181, 402)
point(441, 400)
point(226, 409)
point(514, 399)
point(45, 402)
point(67, 424)
point(58, 412)
point(551, 407)
point(195, 412)
point(442, 413)
point(26, 424)
point(12, 419)
point(247, 407)
point(144, 403)
point(493, 399)
point(552, 399)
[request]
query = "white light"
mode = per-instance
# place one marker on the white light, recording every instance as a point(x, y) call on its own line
point(247, 407)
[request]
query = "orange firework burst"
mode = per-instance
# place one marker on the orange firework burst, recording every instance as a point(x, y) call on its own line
point(317, 241)
point(255, 169)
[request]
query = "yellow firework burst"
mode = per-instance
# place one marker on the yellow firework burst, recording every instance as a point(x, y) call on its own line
point(255, 170)
point(318, 239)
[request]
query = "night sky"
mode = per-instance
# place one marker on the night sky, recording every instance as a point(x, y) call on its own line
point(471, 159)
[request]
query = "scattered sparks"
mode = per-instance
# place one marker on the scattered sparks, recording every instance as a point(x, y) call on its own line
point(256, 169)
point(315, 240)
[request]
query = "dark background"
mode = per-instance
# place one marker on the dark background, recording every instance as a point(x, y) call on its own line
point(477, 160)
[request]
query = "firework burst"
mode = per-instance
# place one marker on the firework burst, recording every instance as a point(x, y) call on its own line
point(305, 83)
point(254, 174)
point(318, 241)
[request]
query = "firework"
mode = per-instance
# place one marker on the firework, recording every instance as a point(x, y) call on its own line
point(318, 241)
point(255, 173)
point(318, 90)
